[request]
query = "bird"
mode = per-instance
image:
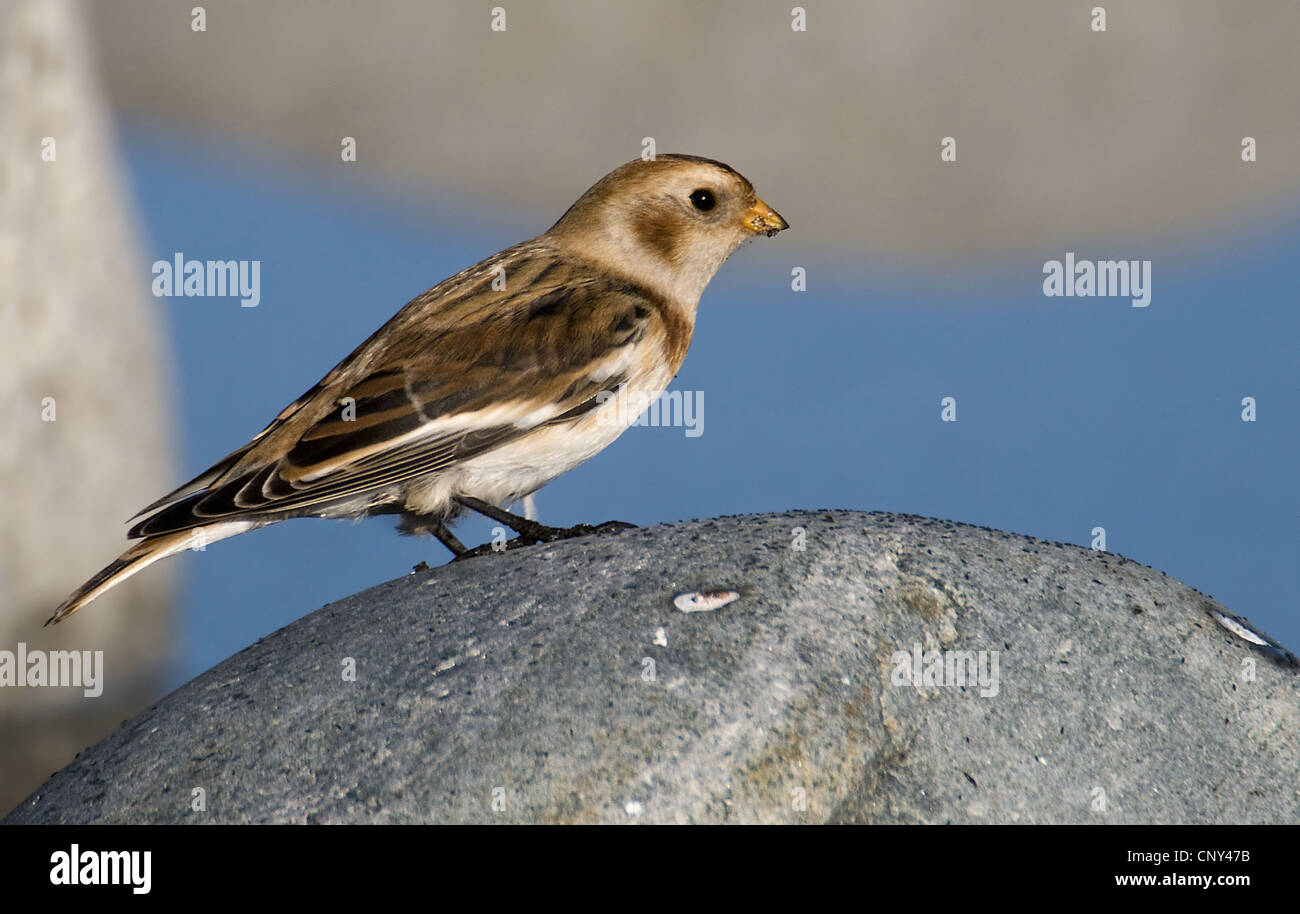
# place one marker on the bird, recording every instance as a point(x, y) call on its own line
point(488, 385)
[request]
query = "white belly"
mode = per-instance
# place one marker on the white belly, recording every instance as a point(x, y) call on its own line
point(521, 467)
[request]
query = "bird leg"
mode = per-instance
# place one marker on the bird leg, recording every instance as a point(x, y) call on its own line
point(530, 531)
point(523, 526)
point(448, 539)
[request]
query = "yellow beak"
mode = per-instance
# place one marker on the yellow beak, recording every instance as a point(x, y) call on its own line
point(762, 219)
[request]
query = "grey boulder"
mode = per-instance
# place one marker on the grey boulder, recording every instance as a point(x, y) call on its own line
point(799, 667)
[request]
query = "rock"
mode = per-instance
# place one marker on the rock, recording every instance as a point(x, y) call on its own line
point(560, 683)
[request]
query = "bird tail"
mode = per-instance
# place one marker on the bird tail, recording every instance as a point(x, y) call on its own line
point(141, 556)
point(137, 558)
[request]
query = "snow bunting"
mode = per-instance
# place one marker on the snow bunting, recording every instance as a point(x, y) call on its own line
point(489, 385)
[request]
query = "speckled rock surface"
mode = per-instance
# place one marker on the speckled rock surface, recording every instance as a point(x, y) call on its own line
point(560, 683)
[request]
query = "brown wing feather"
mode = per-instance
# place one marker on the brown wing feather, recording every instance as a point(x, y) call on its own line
point(465, 349)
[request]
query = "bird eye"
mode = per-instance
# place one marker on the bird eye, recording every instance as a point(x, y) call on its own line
point(703, 199)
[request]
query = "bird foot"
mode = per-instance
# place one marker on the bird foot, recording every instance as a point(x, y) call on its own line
point(533, 533)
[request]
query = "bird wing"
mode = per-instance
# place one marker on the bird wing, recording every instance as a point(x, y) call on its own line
point(462, 369)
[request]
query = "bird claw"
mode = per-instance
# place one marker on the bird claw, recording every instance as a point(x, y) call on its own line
point(535, 533)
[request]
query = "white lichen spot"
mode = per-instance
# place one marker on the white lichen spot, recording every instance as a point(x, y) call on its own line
point(700, 601)
point(1238, 629)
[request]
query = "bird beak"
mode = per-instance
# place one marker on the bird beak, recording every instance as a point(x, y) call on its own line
point(762, 219)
